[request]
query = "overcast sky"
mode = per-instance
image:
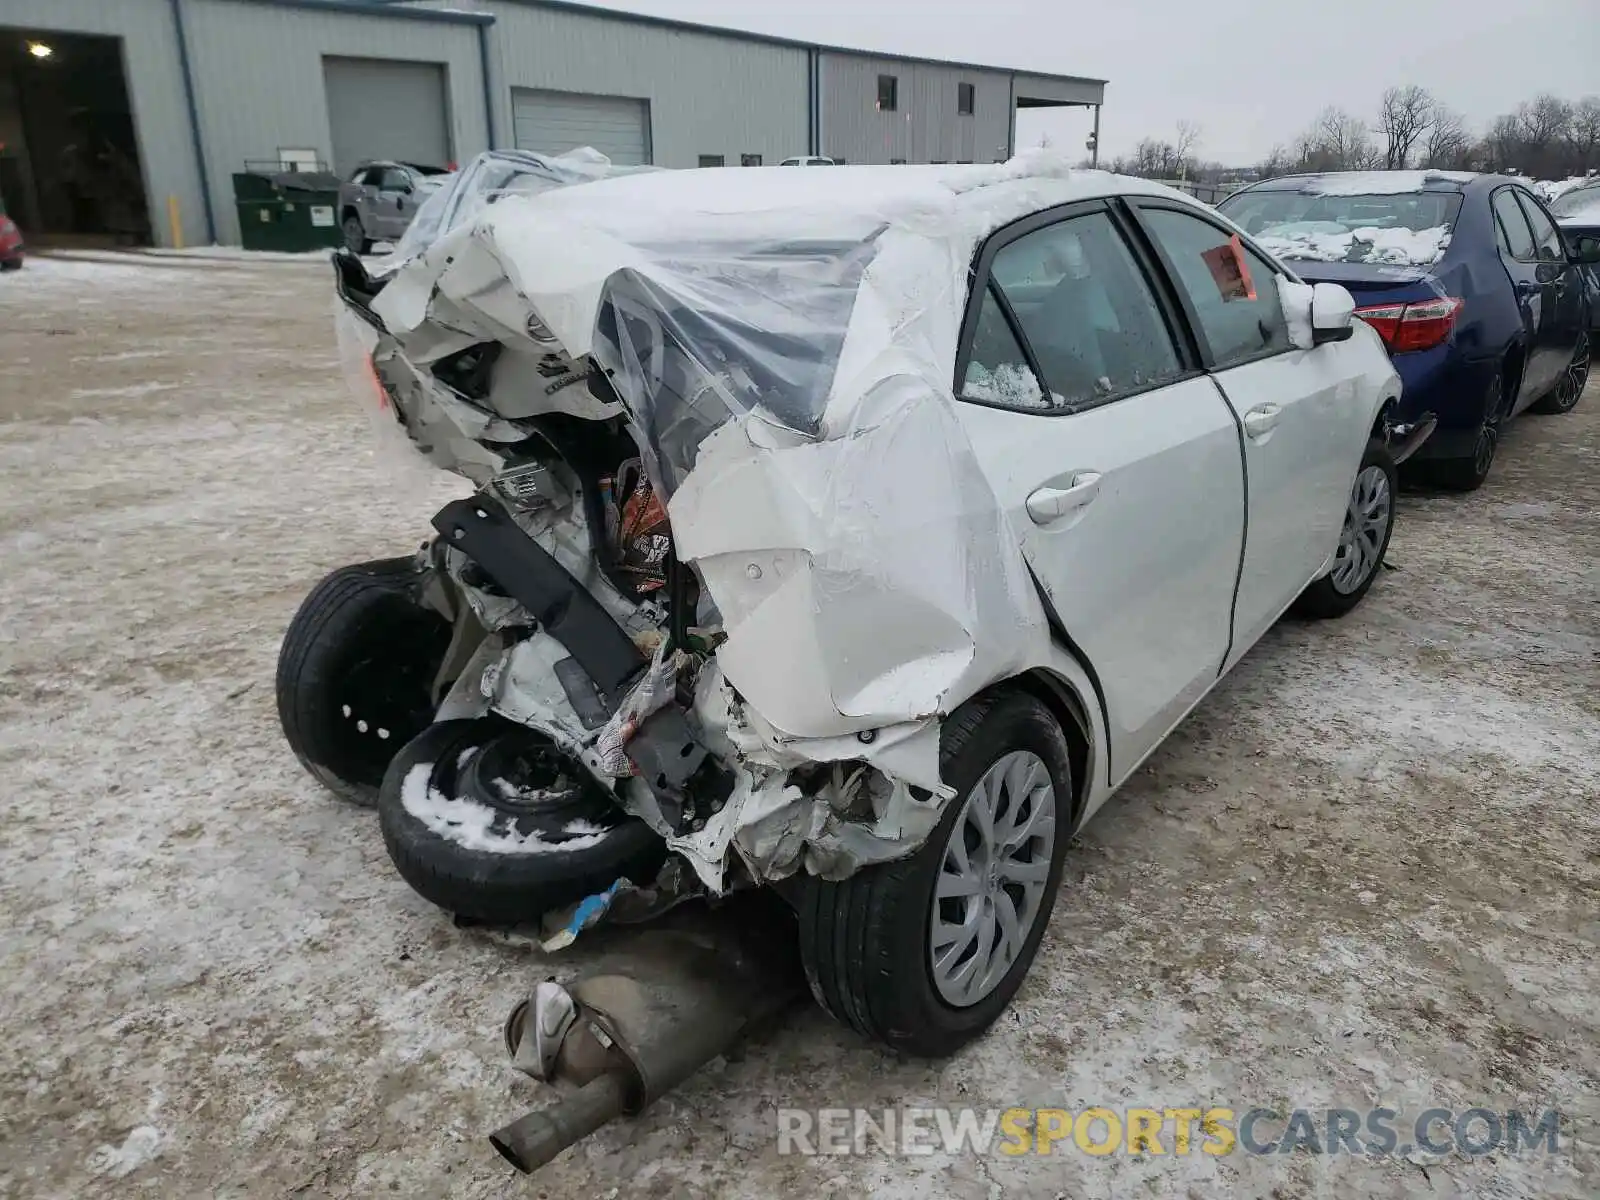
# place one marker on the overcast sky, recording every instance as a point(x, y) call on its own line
point(1252, 73)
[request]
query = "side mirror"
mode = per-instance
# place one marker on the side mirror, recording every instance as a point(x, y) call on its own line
point(1333, 311)
point(1586, 249)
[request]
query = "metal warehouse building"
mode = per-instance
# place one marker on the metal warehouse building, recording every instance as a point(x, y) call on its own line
point(130, 117)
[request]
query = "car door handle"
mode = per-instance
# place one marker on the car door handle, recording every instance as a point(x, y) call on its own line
point(1262, 420)
point(1052, 503)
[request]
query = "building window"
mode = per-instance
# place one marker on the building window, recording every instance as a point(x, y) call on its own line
point(966, 98)
point(749, 160)
point(712, 160)
point(888, 93)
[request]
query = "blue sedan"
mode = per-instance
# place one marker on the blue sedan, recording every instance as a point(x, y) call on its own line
point(1482, 303)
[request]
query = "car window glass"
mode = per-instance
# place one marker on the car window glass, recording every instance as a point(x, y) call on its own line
point(1579, 200)
point(395, 180)
point(1236, 327)
point(1546, 238)
point(1513, 223)
point(1502, 243)
point(998, 372)
point(1088, 313)
point(371, 177)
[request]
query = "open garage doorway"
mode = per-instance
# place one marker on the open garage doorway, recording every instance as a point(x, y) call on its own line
point(69, 156)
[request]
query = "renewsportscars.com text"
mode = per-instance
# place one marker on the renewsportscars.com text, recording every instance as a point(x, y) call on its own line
point(1369, 1133)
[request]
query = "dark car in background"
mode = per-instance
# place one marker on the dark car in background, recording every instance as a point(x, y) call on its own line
point(379, 199)
point(1467, 279)
point(1577, 211)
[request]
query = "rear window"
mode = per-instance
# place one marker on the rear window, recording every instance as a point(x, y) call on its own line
point(1402, 229)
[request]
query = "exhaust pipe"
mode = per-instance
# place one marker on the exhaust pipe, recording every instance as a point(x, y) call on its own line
point(674, 1000)
point(537, 1137)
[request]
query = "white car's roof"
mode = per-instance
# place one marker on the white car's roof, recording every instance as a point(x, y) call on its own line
point(965, 194)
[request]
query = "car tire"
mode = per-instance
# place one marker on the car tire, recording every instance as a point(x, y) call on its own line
point(355, 237)
point(1468, 474)
point(443, 859)
point(11, 264)
point(1566, 394)
point(868, 942)
point(1368, 525)
point(356, 672)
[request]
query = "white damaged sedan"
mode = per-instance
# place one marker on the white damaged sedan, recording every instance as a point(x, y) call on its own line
point(853, 533)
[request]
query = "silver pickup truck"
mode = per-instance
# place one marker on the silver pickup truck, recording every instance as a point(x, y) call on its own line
point(379, 199)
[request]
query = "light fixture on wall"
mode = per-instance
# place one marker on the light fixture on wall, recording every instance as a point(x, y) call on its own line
point(40, 49)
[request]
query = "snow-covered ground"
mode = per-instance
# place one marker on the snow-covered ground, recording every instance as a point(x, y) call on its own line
point(1363, 872)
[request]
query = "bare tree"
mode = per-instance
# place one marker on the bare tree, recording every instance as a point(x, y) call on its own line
point(1279, 162)
point(1547, 137)
point(1448, 145)
point(1184, 147)
point(1406, 114)
point(1337, 141)
point(1583, 135)
point(1544, 119)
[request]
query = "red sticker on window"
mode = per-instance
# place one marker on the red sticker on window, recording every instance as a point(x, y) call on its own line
point(1230, 271)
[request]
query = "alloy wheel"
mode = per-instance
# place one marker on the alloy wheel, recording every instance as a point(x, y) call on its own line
point(1366, 523)
point(1577, 376)
point(1488, 442)
point(992, 878)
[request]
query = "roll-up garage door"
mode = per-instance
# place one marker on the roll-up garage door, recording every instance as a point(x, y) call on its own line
point(555, 122)
point(385, 108)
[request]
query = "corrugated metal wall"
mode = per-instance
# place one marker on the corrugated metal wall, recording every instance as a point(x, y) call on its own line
point(926, 127)
point(259, 81)
point(259, 87)
point(707, 94)
point(155, 91)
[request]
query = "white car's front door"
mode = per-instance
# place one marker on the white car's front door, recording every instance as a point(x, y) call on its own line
point(1303, 415)
point(1117, 459)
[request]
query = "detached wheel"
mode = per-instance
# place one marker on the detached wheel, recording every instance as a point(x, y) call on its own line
point(925, 953)
point(1567, 393)
point(356, 672)
point(490, 821)
point(1368, 525)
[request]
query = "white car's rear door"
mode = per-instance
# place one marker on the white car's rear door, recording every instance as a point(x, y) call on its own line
point(1304, 414)
point(1117, 458)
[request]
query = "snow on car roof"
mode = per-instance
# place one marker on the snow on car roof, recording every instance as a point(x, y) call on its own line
point(1369, 183)
point(656, 201)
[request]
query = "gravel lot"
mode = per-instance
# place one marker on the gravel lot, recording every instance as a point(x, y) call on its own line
point(1366, 871)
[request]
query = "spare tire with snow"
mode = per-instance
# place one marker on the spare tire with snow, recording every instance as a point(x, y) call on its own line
point(356, 672)
point(493, 822)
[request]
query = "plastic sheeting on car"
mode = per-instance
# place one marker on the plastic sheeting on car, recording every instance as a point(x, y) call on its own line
point(491, 177)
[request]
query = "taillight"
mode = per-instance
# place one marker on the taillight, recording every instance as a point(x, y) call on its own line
point(1419, 326)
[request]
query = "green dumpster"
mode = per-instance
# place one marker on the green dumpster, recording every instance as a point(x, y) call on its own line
point(291, 211)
